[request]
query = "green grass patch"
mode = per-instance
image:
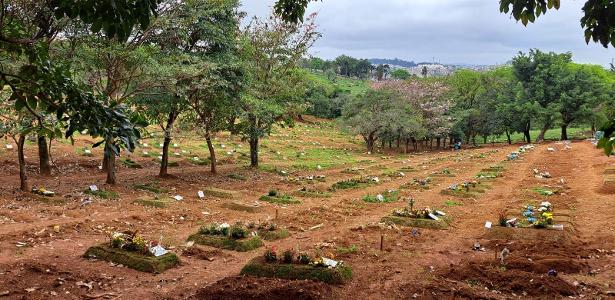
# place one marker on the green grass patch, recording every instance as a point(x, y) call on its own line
point(102, 194)
point(155, 202)
point(273, 235)
point(450, 203)
point(544, 191)
point(150, 187)
point(260, 268)
point(418, 184)
point(241, 207)
point(472, 190)
point(354, 183)
point(129, 163)
point(84, 152)
point(219, 193)
point(550, 135)
point(226, 242)
point(133, 260)
point(385, 197)
point(443, 173)
point(311, 193)
point(442, 223)
point(347, 250)
point(237, 177)
point(198, 161)
point(279, 199)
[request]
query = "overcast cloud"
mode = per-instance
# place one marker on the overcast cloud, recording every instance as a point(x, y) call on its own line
point(447, 31)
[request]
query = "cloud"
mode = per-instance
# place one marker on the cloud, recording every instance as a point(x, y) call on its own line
point(448, 31)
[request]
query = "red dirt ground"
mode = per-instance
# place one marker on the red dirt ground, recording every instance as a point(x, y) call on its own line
point(434, 264)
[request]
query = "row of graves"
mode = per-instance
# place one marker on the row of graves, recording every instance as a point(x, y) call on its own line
point(134, 251)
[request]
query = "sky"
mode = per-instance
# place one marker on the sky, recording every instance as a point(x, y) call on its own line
point(444, 31)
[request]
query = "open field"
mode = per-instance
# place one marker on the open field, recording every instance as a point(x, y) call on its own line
point(43, 239)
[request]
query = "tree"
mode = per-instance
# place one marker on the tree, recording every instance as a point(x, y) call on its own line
point(581, 90)
point(465, 88)
point(543, 77)
point(377, 114)
point(424, 71)
point(430, 100)
point(608, 141)
point(597, 20)
point(400, 74)
point(197, 41)
point(271, 53)
point(39, 81)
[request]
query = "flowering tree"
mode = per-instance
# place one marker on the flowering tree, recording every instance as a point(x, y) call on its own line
point(429, 98)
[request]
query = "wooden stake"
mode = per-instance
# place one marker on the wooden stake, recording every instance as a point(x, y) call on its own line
point(381, 242)
point(276, 213)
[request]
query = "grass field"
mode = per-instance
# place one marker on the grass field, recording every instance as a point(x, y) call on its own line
point(550, 135)
point(349, 85)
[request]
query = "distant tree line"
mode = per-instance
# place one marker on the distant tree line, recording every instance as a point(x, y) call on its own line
point(538, 90)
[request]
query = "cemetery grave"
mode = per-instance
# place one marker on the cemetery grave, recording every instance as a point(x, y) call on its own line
point(237, 237)
point(132, 250)
point(301, 266)
point(422, 218)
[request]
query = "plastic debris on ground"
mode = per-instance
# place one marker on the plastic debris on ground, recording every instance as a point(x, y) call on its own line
point(201, 194)
point(43, 191)
point(329, 262)
point(178, 198)
point(158, 251)
point(86, 201)
point(93, 188)
point(477, 247)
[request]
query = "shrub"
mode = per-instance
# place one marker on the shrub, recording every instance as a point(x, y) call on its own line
point(273, 193)
point(237, 232)
point(304, 258)
point(271, 255)
point(287, 256)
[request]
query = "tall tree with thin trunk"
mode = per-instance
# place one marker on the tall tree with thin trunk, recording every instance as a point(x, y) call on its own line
point(271, 53)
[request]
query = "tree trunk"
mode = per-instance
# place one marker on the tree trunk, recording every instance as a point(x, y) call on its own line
point(508, 137)
point(254, 151)
point(485, 139)
point(43, 155)
point(164, 162)
point(23, 177)
point(407, 149)
point(382, 144)
point(444, 143)
point(398, 140)
point(110, 158)
point(105, 162)
point(438, 143)
point(541, 135)
point(390, 144)
point(212, 153)
point(526, 134)
point(564, 136)
point(168, 132)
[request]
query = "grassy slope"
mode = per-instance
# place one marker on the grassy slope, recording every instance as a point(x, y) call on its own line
point(351, 85)
point(552, 134)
